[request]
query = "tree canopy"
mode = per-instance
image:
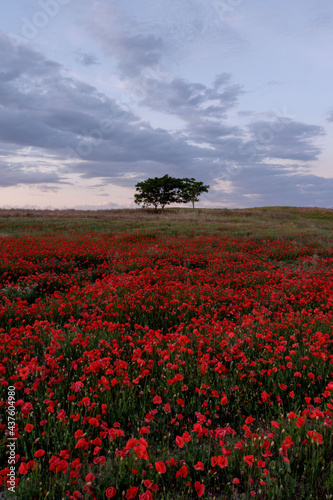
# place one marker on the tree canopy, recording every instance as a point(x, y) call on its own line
point(192, 189)
point(162, 191)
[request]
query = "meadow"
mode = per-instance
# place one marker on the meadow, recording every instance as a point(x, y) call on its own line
point(167, 356)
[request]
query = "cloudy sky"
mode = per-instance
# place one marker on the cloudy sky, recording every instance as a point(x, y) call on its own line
point(97, 95)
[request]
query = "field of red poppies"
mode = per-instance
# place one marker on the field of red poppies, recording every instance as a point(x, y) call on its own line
point(156, 367)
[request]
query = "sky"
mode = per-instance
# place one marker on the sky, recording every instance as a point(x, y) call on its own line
point(98, 95)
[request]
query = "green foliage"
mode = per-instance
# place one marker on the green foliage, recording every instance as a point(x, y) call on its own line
point(166, 190)
point(192, 189)
point(158, 191)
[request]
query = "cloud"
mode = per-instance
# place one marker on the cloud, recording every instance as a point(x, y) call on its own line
point(80, 130)
point(134, 51)
point(191, 101)
point(285, 139)
point(55, 112)
point(86, 59)
point(274, 83)
point(137, 52)
point(274, 185)
point(100, 206)
point(211, 131)
point(161, 34)
point(13, 175)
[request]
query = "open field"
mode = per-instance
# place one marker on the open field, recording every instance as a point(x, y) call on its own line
point(175, 356)
point(256, 222)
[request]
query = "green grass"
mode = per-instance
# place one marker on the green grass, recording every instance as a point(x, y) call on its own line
point(265, 222)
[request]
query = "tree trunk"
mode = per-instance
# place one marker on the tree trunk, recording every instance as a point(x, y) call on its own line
point(193, 205)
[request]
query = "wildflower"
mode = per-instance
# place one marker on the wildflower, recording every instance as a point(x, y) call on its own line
point(249, 459)
point(315, 436)
point(199, 466)
point(110, 492)
point(77, 386)
point(39, 453)
point(300, 421)
point(147, 495)
point(182, 472)
point(132, 492)
point(160, 467)
point(199, 488)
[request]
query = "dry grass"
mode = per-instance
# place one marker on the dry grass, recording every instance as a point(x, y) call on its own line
point(173, 213)
point(264, 222)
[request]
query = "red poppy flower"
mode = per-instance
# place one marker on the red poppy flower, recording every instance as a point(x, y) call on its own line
point(147, 495)
point(160, 467)
point(316, 436)
point(287, 443)
point(182, 472)
point(222, 461)
point(199, 488)
point(23, 468)
point(199, 466)
point(110, 492)
point(180, 442)
point(76, 494)
point(39, 453)
point(249, 459)
point(300, 421)
point(132, 492)
point(171, 461)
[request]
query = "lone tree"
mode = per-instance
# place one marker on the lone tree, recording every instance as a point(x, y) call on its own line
point(166, 190)
point(158, 191)
point(192, 189)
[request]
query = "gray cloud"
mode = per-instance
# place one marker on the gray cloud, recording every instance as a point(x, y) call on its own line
point(134, 51)
point(13, 175)
point(275, 185)
point(211, 131)
point(43, 107)
point(162, 33)
point(56, 112)
point(286, 139)
point(86, 59)
point(191, 101)
point(137, 52)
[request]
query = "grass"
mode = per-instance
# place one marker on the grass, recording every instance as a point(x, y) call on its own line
point(266, 222)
